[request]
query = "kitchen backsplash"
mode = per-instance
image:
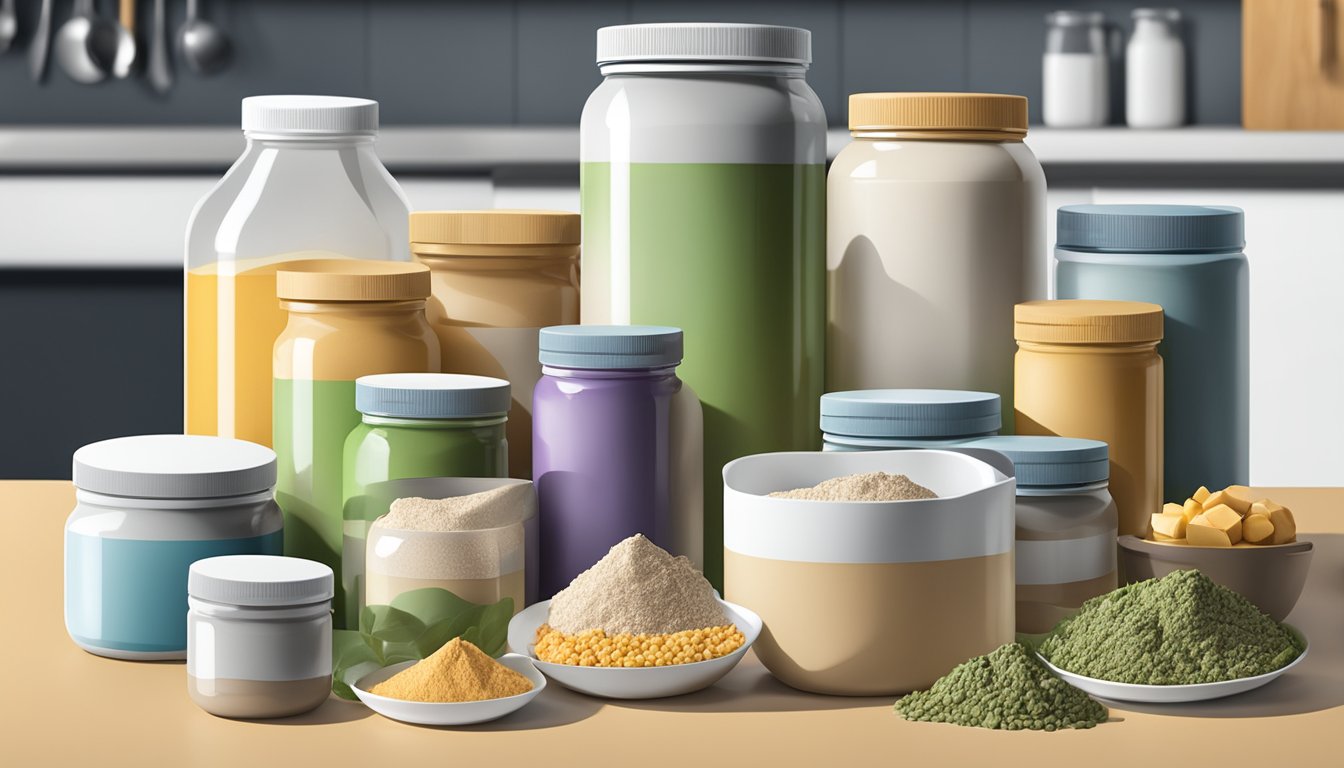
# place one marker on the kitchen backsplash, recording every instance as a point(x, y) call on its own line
point(489, 62)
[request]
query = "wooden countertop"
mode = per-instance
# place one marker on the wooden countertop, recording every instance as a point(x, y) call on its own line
point(65, 707)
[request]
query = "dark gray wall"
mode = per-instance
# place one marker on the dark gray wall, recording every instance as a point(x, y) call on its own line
point(531, 61)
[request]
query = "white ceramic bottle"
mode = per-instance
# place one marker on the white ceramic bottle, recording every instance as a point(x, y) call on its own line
point(1075, 74)
point(1155, 70)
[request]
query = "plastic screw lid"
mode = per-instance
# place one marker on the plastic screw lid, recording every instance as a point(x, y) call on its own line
point(945, 115)
point(351, 280)
point(704, 42)
point(174, 467)
point(260, 580)
point(495, 227)
point(910, 413)
point(432, 396)
point(310, 115)
point(1151, 228)
point(1043, 460)
point(1084, 321)
point(602, 347)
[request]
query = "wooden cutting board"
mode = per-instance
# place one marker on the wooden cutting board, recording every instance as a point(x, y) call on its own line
point(1292, 64)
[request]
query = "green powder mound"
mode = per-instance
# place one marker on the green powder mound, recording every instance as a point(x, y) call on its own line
point(1008, 690)
point(1178, 630)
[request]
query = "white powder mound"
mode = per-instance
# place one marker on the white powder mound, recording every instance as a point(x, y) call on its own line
point(637, 588)
point(871, 486)
point(488, 509)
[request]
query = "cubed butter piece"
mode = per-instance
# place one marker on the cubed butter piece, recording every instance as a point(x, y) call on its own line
point(1173, 509)
point(1163, 537)
point(1257, 529)
point(1239, 498)
point(1170, 526)
point(1238, 505)
point(1201, 494)
point(1285, 527)
point(1191, 509)
point(1219, 526)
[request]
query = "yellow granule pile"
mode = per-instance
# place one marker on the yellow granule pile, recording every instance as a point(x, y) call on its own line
point(595, 648)
point(459, 671)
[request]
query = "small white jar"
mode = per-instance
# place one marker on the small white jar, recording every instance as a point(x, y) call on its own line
point(259, 635)
point(1155, 70)
point(1075, 70)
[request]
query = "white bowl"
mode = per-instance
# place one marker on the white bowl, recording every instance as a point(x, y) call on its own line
point(1174, 694)
point(626, 682)
point(449, 713)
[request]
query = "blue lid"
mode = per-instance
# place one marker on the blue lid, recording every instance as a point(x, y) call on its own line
point(1151, 228)
point(431, 396)
point(897, 413)
point(604, 347)
point(1043, 460)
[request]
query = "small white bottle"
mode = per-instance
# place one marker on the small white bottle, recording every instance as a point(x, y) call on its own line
point(1155, 70)
point(1075, 74)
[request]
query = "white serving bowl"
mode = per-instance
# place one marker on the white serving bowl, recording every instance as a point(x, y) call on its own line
point(449, 713)
point(632, 683)
point(1174, 694)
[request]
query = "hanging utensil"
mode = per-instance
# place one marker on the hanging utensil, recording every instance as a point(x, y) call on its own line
point(86, 45)
point(40, 47)
point(160, 76)
point(205, 47)
point(9, 25)
point(126, 48)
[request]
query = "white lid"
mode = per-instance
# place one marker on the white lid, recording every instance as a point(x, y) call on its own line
point(310, 115)
point(704, 42)
point(261, 580)
point(174, 467)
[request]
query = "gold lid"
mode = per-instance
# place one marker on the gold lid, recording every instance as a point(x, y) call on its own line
point(984, 116)
point(1083, 321)
point(351, 280)
point(496, 227)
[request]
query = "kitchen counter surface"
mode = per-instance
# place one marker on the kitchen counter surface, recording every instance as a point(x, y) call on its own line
point(66, 707)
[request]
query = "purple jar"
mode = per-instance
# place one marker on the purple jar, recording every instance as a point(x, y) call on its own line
point(602, 453)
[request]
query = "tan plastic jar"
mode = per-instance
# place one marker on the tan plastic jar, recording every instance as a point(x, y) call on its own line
point(936, 221)
point(347, 319)
point(499, 277)
point(1090, 369)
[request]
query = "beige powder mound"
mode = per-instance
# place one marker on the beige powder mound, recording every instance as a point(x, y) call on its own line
point(637, 588)
point(870, 486)
point(488, 509)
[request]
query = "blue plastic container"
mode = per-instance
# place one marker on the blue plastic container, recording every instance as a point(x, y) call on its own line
point(884, 419)
point(1188, 259)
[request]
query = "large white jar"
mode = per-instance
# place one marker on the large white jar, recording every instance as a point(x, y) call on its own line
point(935, 228)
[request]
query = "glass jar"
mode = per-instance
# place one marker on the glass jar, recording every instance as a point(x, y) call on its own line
point(259, 635)
point(1066, 525)
point(934, 220)
point(1090, 369)
point(346, 319)
point(1075, 80)
point(1187, 259)
point(883, 419)
point(415, 425)
point(308, 185)
point(147, 508)
point(616, 439)
point(702, 184)
point(498, 277)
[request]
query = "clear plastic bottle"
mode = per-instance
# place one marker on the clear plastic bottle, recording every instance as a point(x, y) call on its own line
point(309, 185)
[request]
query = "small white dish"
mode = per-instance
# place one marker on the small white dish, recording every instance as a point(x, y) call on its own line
point(632, 683)
point(449, 713)
point(1173, 694)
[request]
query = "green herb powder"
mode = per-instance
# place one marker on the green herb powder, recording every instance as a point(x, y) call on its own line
point(1178, 630)
point(1007, 689)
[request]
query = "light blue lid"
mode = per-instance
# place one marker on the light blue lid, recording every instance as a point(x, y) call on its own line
point(904, 413)
point(431, 396)
point(604, 347)
point(1042, 460)
point(1151, 228)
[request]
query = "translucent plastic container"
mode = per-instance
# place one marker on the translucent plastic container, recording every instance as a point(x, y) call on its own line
point(308, 185)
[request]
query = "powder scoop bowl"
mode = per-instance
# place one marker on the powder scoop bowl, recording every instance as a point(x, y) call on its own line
point(636, 682)
point(449, 713)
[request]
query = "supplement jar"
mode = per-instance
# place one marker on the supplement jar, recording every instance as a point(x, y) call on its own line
point(1090, 369)
point(147, 508)
point(415, 425)
point(308, 186)
point(346, 319)
point(883, 419)
point(702, 182)
point(616, 441)
point(870, 598)
point(936, 222)
point(1066, 525)
point(1075, 70)
point(498, 277)
point(259, 635)
point(1188, 259)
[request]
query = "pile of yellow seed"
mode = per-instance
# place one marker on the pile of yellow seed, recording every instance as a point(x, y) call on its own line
point(595, 648)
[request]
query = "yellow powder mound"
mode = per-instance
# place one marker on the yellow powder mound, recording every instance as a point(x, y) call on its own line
point(459, 671)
